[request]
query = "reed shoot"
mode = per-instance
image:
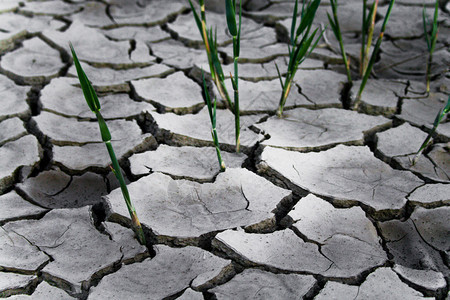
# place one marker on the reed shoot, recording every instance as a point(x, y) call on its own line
point(334, 23)
point(212, 116)
point(376, 49)
point(235, 31)
point(431, 39)
point(299, 50)
point(436, 123)
point(210, 42)
point(94, 105)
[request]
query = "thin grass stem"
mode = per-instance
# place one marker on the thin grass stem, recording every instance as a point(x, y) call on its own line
point(374, 55)
point(213, 118)
point(93, 103)
point(299, 51)
point(440, 115)
point(334, 23)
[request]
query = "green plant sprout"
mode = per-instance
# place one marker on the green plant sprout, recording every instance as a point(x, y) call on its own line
point(235, 31)
point(298, 51)
point(376, 49)
point(334, 23)
point(437, 121)
point(212, 116)
point(368, 25)
point(210, 42)
point(431, 39)
point(209, 38)
point(94, 105)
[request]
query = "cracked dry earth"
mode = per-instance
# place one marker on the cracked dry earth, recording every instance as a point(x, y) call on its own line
point(321, 204)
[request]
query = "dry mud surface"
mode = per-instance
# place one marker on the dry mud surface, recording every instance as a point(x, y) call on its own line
point(321, 204)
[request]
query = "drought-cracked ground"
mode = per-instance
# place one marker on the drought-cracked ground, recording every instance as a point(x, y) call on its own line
point(321, 204)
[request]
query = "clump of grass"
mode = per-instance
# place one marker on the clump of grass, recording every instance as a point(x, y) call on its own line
point(209, 38)
point(298, 50)
point(431, 39)
point(376, 49)
point(368, 25)
point(212, 116)
point(94, 105)
point(334, 23)
point(440, 115)
point(235, 31)
point(210, 42)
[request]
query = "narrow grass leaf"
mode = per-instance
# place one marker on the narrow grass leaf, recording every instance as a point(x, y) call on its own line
point(231, 17)
point(279, 76)
point(308, 17)
point(294, 22)
point(196, 18)
point(88, 90)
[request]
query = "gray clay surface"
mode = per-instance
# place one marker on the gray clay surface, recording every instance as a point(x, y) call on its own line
point(321, 202)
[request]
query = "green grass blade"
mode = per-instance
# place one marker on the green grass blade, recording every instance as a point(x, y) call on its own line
point(231, 17)
point(425, 28)
point(279, 76)
point(88, 90)
point(375, 51)
point(208, 99)
point(294, 22)
point(196, 18)
point(308, 17)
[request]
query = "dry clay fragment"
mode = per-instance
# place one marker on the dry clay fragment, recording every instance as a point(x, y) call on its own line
point(69, 131)
point(175, 54)
point(264, 96)
point(434, 165)
point(385, 284)
point(171, 271)
point(336, 290)
point(281, 250)
point(346, 174)
point(258, 284)
point(18, 254)
point(111, 80)
point(431, 194)
point(13, 97)
point(79, 251)
point(304, 129)
point(199, 163)
point(185, 98)
point(93, 14)
point(185, 210)
point(423, 111)
point(15, 207)
point(184, 25)
point(318, 220)
point(35, 63)
point(24, 152)
point(44, 291)
point(93, 47)
point(399, 141)
point(427, 279)
point(195, 130)
point(408, 247)
point(51, 8)
point(62, 97)
point(125, 13)
point(145, 34)
point(14, 27)
point(433, 226)
point(55, 189)
point(380, 97)
point(11, 284)
point(11, 129)
point(341, 255)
